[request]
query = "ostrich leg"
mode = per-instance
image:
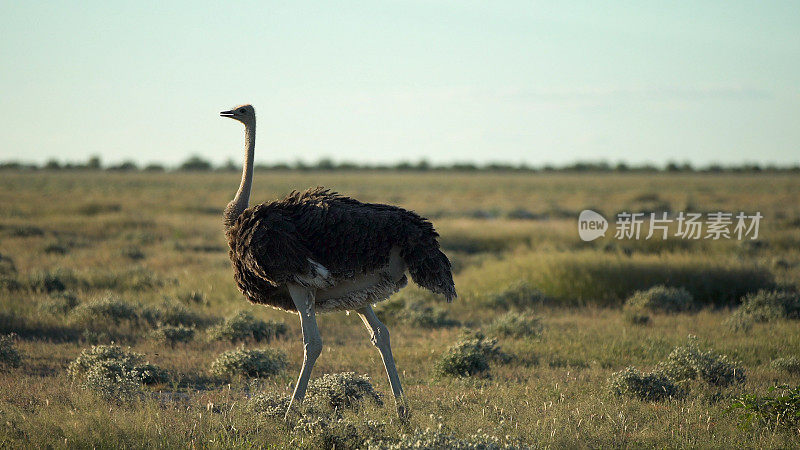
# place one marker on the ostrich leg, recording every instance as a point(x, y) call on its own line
point(380, 337)
point(312, 341)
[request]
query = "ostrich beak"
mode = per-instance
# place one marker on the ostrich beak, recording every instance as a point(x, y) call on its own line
point(227, 113)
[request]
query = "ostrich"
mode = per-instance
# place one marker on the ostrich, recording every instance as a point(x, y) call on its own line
point(318, 251)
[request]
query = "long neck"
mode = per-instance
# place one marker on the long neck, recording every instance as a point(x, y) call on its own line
point(242, 198)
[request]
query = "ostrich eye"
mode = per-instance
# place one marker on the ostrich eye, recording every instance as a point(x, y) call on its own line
point(242, 110)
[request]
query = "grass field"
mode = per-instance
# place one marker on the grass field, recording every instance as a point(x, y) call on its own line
point(94, 257)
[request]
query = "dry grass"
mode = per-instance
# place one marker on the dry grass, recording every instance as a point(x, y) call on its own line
point(142, 237)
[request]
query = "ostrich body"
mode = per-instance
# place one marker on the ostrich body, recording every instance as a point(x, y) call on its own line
point(318, 251)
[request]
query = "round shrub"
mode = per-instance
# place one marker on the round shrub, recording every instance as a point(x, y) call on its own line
point(341, 390)
point(9, 355)
point(113, 382)
point(243, 326)
point(662, 299)
point(651, 386)
point(520, 295)
point(415, 312)
point(517, 324)
point(116, 362)
point(249, 363)
point(172, 335)
point(790, 365)
point(103, 312)
point(60, 303)
point(765, 306)
point(470, 356)
point(688, 362)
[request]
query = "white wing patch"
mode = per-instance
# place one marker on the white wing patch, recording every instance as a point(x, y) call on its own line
point(318, 278)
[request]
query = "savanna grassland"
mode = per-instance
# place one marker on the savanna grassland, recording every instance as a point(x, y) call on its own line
point(545, 327)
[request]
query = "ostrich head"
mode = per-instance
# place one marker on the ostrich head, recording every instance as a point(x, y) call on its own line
point(243, 113)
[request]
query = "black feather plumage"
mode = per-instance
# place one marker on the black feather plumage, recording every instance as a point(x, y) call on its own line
point(274, 243)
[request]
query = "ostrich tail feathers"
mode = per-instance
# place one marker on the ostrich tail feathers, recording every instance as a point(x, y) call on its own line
point(430, 268)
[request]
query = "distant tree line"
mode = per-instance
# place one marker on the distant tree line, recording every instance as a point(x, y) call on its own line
point(196, 163)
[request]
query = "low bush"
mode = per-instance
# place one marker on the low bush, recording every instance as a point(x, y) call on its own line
point(765, 306)
point(790, 365)
point(170, 312)
point(249, 363)
point(636, 316)
point(115, 362)
point(516, 295)
point(132, 252)
point(661, 299)
point(651, 386)
point(341, 390)
point(193, 298)
point(170, 334)
point(9, 355)
point(470, 356)
point(243, 326)
point(688, 362)
point(440, 439)
point(413, 312)
point(49, 281)
point(113, 382)
point(517, 324)
point(60, 303)
point(103, 312)
point(270, 404)
point(772, 411)
point(7, 266)
point(335, 432)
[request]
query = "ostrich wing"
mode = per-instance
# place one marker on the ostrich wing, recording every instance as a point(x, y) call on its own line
point(270, 247)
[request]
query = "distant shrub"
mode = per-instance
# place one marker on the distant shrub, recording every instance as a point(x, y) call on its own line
point(48, 281)
point(772, 411)
point(112, 382)
point(341, 390)
point(136, 279)
point(790, 365)
point(520, 295)
point(115, 362)
point(132, 252)
point(470, 356)
point(91, 209)
point(60, 303)
point(102, 312)
point(172, 335)
point(334, 431)
point(662, 299)
point(765, 306)
point(636, 316)
point(414, 312)
point(517, 324)
point(7, 266)
point(56, 248)
point(688, 362)
point(195, 163)
point(651, 386)
point(270, 404)
point(440, 439)
point(170, 312)
point(9, 355)
point(193, 297)
point(249, 363)
point(244, 326)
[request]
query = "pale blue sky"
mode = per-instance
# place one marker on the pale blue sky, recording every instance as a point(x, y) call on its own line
point(378, 81)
